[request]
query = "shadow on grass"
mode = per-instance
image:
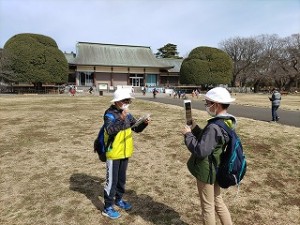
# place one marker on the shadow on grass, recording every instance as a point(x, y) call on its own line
point(89, 186)
point(143, 205)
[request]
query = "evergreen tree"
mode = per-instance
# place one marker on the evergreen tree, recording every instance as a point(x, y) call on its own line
point(168, 51)
point(36, 59)
point(206, 66)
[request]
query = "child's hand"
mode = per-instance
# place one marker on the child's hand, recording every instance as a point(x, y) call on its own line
point(186, 129)
point(148, 120)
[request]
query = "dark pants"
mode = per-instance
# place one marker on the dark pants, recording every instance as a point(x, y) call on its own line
point(274, 112)
point(115, 181)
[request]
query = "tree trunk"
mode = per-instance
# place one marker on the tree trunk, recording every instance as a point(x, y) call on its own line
point(290, 83)
point(256, 86)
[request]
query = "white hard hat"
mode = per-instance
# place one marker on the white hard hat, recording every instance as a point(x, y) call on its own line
point(219, 95)
point(121, 94)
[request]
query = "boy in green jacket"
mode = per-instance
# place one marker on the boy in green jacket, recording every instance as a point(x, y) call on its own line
point(202, 143)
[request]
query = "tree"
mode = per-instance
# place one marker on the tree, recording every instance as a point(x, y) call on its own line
point(243, 52)
point(265, 60)
point(168, 51)
point(260, 70)
point(36, 59)
point(288, 62)
point(6, 74)
point(205, 66)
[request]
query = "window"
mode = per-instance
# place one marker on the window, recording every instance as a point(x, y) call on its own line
point(151, 80)
point(86, 79)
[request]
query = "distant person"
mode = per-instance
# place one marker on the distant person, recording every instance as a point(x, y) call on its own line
point(207, 142)
point(174, 94)
point(72, 90)
point(197, 93)
point(193, 93)
point(275, 99)
point(154, 92)
point(179, 94)
point(91, 90)
point(183, 95)
point(118, 124)
point(144, 90)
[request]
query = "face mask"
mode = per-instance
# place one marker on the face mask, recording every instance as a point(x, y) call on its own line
point(124, 106)
point(214, 113)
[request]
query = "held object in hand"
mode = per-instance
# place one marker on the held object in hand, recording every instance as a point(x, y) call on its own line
point(141, 120)
point(188, 112)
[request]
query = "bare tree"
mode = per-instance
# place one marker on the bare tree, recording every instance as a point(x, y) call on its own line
point(243, 52)
point(265, 60)
point(283, 61)
point(291, 65)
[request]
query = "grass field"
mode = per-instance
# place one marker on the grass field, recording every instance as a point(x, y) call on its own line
point(50, 175)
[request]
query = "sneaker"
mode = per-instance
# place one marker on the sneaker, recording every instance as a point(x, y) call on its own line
point(123, 205)
point(111, 213)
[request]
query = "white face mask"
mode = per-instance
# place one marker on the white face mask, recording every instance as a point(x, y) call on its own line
point(214, 113)
point(124, 106)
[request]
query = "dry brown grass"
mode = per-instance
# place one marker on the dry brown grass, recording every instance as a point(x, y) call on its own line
point(288, 102)
point(50, 175)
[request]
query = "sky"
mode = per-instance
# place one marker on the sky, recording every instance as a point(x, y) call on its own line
point(153, 23)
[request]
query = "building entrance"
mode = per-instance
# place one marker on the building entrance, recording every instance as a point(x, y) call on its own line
point(137, 80)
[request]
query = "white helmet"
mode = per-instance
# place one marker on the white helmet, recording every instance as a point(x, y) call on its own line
point(219, 95)
point(121, 94)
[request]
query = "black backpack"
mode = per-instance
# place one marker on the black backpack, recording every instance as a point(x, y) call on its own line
point(232, 167)
point(100, 146)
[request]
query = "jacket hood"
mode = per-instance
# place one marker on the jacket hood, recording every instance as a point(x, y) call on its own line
point(229, 119)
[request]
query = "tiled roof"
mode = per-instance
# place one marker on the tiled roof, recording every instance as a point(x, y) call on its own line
point(116, 55)
point(70, 57)
point(176, 63)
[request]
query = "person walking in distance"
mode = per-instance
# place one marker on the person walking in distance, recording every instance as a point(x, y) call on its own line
point(119, 124)
point(154, 91)
point(207, 142)
point(275, 99)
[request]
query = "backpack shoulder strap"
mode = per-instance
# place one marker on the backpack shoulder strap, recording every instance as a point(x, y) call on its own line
point(211, 159)
point(222, 124)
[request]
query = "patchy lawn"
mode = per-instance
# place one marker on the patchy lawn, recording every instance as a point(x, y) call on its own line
point(50, 175)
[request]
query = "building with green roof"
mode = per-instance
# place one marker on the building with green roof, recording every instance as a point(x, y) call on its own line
point(106, 66)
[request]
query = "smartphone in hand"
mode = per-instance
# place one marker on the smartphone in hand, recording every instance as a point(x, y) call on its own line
point(188, 112)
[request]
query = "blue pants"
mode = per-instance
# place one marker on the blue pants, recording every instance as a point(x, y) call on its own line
point(274, 112)
point(115, 181)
